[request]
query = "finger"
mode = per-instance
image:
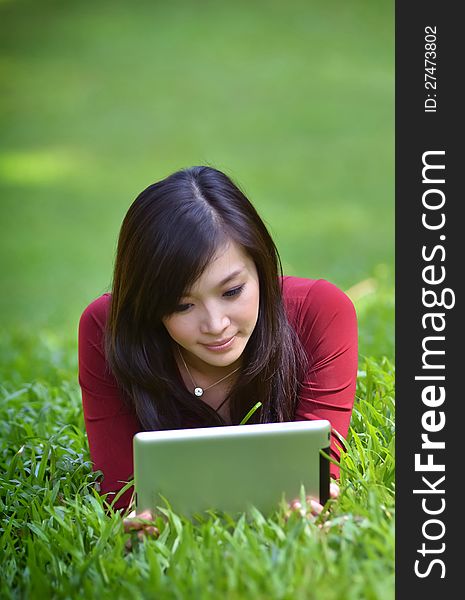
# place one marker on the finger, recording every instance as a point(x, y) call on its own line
point(147, 531)
point(144, 530)
point(333, 490)
point(315, 507)
point(295, 505)
point(145, 514)
point(137, 522)
point(151, 530)
point(132, 525)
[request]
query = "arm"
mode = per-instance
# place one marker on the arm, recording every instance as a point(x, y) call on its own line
point(110, 422)
point(327, 326)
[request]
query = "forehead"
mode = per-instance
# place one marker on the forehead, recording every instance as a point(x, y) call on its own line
point(229, 258)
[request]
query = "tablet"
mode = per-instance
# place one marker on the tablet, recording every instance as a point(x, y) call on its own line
point(231, 468)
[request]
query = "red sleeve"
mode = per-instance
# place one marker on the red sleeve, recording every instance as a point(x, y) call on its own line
point(110, 423)
point(326, 322)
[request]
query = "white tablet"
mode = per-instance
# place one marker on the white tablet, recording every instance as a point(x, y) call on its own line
point(231, 468)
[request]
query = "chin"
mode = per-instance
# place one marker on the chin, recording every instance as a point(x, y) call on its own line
point(224, 360)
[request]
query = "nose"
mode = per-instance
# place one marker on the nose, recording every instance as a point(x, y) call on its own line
point(214, 321)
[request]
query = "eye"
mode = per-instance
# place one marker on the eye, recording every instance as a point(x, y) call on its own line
point(182, 307)
point(234, 292)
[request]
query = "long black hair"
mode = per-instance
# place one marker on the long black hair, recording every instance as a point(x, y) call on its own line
point(169, 235)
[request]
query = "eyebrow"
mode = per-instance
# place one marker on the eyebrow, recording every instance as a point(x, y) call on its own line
point(231, 276)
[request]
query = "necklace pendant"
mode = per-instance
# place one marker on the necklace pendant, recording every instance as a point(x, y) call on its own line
point(198, 391)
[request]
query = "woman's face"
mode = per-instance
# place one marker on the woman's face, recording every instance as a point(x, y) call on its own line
point(214, 322)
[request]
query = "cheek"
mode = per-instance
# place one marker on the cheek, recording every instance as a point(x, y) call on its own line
point(176, 329)
point(249, 311)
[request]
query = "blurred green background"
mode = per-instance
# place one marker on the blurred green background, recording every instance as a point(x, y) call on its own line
point(295, 101)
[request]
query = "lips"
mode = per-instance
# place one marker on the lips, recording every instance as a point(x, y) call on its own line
point(221, 344)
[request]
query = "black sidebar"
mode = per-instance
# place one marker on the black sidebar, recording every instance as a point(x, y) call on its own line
point(430, 231)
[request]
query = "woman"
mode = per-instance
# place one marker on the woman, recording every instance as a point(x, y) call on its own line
point(201, 324)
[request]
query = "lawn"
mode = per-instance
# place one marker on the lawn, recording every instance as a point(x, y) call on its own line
point(57, 540)
point(294, 101)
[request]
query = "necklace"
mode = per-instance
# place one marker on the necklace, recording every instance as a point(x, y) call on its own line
point(198, 391)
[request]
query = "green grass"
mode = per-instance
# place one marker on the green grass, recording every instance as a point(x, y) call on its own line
point(294, 100)
point(59, 539)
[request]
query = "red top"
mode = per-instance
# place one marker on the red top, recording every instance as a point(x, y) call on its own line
point(325, 321)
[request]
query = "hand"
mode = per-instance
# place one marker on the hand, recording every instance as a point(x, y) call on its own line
point(314, 508)
point(139, 526)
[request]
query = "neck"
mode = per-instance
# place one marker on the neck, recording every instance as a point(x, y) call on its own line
point(199, 388)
